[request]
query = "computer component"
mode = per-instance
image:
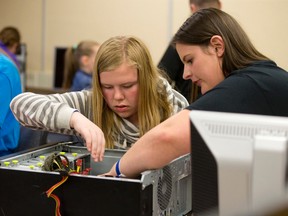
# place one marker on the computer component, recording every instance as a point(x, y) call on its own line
point(24, 185)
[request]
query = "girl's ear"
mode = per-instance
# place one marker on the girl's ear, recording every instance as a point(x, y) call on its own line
point(217, 43)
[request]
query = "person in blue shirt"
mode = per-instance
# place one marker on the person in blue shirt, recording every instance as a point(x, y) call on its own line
point(10, 83)
point(78, 67)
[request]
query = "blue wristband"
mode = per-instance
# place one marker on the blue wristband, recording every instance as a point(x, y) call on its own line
point(118, 173)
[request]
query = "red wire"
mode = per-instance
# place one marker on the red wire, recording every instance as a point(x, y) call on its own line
point(49, 192)
point(57, 207)
point(55, 197)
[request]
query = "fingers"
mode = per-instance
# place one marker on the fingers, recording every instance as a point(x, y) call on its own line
point(105, 175)
point(98, 146)
point(92, 134)
point(95, 142)
point(111, 173)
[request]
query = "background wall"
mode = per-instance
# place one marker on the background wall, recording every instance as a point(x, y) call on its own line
point(46, 24)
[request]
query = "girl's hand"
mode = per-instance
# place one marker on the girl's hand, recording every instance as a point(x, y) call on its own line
point(91, 133)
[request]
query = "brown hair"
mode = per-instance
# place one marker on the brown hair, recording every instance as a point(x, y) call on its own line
point(206, 3)
point(205, 23)
point(9, 36)
point(72, 60)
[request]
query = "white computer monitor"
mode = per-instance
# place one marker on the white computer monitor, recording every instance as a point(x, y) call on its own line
point(239, 162)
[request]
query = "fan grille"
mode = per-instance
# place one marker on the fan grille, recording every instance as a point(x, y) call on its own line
point(164, 189)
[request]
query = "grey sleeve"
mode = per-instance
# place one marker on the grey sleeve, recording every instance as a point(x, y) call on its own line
point(179, 101)
point(50, 112)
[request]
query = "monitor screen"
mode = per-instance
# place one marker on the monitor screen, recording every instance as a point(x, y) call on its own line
point(59, 66)
point(239, 161)
point(21, 56)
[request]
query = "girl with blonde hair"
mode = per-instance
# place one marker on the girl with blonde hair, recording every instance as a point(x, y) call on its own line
point(128, 98)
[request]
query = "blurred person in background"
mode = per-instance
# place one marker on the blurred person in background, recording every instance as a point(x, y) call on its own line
point(10, 83)
point(78, 67)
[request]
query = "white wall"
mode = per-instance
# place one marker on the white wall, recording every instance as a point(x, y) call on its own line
point(46, 24)
point(265, 22)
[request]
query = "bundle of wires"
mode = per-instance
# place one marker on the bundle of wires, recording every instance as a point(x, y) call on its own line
point(49, 194)
point(57, 162)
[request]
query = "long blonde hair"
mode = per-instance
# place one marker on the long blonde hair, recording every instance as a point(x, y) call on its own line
point(153, 106)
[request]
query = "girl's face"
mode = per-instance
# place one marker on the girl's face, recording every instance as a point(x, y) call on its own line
point(202, 65)
point(91, 59)
point(120, 89)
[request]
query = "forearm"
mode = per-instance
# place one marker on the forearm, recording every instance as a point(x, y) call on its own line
point(47, 112)
point(158, 147)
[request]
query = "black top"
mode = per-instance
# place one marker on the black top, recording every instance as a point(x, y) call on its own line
point(261, 88)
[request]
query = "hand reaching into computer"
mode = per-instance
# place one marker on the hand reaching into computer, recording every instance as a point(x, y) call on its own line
point(91, 133)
